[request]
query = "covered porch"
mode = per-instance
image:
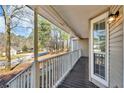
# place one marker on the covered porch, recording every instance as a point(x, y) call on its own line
point(82, 66)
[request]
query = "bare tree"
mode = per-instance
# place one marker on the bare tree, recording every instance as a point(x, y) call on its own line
point(13, 16)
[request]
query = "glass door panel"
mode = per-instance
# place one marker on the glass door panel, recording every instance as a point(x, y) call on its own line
point(99, 48)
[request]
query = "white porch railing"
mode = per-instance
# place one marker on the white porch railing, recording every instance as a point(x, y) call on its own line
point(52, 71)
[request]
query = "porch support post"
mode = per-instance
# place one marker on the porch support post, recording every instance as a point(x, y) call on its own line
point(36, 67)
point(123, 46)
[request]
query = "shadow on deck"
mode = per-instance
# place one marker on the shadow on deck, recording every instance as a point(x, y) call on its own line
point(78, 76)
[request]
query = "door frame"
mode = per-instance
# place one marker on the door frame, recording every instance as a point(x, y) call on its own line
point(96, 19)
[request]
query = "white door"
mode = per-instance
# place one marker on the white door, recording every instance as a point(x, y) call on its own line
point(99, 49)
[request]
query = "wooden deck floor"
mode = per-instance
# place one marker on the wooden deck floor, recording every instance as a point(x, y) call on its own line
point(78, 76)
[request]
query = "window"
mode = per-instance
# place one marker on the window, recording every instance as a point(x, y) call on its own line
point(99, 49)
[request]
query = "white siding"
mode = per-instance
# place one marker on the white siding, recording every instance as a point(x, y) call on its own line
point(84, 45)
point(116, 49)
point(74, 44)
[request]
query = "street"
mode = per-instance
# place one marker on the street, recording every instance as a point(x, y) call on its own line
point(17, 61)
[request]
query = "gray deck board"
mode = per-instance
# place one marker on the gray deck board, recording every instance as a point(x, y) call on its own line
point(78, 76)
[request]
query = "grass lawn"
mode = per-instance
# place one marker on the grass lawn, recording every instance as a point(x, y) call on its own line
point(2, 58)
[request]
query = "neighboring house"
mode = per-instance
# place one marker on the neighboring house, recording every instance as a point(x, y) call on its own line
point(13, 52)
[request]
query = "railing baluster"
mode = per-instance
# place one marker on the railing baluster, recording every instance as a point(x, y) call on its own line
point(17, 82)
point(59, 69)
point(67, 62)
point(65, 66)
point(22, 80)
point(52, 72)
point(49, 73)
point(42, 75)
point(46, 74)
point(62, 64)
point(27, 78)
point(56, 70)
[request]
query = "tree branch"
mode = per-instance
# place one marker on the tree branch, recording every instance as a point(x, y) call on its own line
point(4, 13)
point(17, 9)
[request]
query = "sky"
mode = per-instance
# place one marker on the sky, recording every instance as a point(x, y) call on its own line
point(2, 26)
point(21, 30)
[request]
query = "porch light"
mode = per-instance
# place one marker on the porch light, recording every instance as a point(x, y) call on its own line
point(112, 17)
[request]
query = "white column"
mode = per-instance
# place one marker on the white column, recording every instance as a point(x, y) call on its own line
point(35, 68)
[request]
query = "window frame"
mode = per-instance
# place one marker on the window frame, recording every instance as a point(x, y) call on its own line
point(94, 20)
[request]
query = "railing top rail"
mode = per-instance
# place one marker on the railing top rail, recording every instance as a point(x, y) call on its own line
point(42, 60)
point(100, 53)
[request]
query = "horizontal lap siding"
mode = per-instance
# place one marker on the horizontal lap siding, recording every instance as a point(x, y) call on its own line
point(116, 49)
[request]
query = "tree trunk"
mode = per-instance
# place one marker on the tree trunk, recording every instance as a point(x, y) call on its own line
point(8, 44)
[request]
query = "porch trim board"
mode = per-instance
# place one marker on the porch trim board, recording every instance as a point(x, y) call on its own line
point(93, 76)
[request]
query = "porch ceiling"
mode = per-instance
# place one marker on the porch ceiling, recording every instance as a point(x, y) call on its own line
point(77, 16)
